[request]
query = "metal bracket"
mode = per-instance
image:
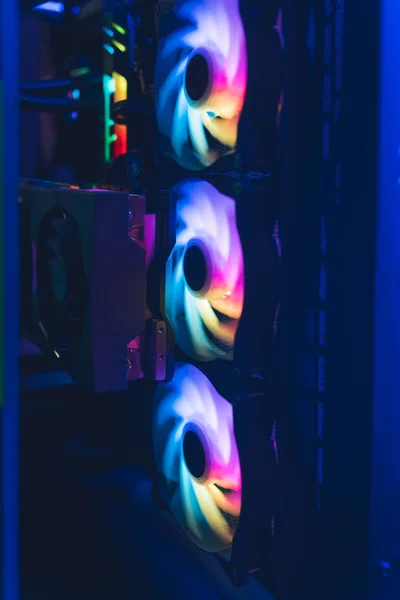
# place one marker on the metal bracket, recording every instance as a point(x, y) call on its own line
point(157, 350)
point(147, 356)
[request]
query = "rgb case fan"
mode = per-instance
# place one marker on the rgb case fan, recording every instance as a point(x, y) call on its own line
point(200, 84)
point(223, 245)
point(205, 274)
point(197, 458)
point(88, 282)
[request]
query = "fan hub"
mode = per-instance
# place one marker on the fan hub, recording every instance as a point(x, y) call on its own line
point(196, 267)
point(198, 79)
point(194, 454)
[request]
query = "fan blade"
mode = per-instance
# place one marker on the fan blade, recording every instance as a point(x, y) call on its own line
point(205, 272)
point(229, 501)
point(223, 130)
point(223, 331)
point(200, 504)
point(201, 68)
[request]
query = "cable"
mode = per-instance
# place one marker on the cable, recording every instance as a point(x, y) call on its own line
point(43, 104)
point(60, 84)
point(126, 111)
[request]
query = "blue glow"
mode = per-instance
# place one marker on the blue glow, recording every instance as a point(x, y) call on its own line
point(57, 7)
point(215, 30)
point(207, 220)
point(109, 48)
point(190, 403)
point(76, 10)
point(9, 415)
point(108, 32)
point(76, 94)
point(386, 475)
point(110, 83)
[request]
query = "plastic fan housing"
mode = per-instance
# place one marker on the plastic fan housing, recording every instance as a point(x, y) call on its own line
point(201, 79)
point(205, 272)
point(197, 456)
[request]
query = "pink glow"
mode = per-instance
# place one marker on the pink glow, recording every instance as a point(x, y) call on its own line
point(213, 29)
point(207, 220)
point(190, 402)
point(149, 237)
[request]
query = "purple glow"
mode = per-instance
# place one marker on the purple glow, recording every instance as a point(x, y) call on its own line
point(57, 7)
point(212, 29)
point(149, 237)
point(190, 403)
point(279, 28)
point(205, 219)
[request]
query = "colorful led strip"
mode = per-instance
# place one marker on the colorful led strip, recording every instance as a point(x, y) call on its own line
point(109, 136)
point(120, 131)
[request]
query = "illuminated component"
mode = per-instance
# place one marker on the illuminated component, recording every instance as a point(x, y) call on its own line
point(57, 7)
point(196, 455)
point(80, 71)
point(119, 46)
point(110, 84)
point(74, 94)
point(108, 90)
point(201, 77)
point(205, 272)
point(108, 32)
point(108, 48)
point(118, 28)
point(120, 131)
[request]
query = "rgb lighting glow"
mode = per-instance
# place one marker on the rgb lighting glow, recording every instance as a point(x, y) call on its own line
point(201, 77)
point(205, 272)
point(197, 456)
point(120, 131)
point(109, 137)
point(55, 7)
